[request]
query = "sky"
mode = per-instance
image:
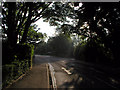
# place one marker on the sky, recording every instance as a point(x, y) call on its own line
point(45, 27)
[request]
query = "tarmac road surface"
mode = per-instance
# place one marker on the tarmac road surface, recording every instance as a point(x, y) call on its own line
point(68, 73)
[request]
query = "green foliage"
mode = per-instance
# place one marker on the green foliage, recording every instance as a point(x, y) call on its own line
point(34, 36)
point(103, 21)
point(57, 14)
point(12, 71)
point(17, 20)
point(17, 61)
point(79, 52)
point(25, 51)
point(92, 51)
point(60, 45)
point(41, 48)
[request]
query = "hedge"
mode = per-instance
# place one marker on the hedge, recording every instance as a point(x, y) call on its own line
point(22, 62)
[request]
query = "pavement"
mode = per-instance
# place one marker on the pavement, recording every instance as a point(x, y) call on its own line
point(37, 77)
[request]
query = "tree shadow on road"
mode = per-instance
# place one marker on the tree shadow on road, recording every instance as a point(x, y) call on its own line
point(89, 76)
point(83, 82)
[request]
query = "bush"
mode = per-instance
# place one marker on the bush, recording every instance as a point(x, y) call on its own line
point(79, 52)
point(16, 61)
point(91, 52)
point(22, 52)
point(13, 71)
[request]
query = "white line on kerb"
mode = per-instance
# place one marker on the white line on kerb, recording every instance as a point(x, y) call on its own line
point(52, 72)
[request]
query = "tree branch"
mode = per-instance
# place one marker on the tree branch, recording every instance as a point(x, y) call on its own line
point(3, 26)
point(27, 24)
point(19, 14)
point(35, 19)
point(23, 19)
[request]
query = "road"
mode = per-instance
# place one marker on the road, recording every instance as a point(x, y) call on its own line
point(70, 73)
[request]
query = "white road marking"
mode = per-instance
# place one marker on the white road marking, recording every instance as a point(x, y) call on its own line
point(81, 78)
point(52, 72)
point(113, 80)
point(67, 71)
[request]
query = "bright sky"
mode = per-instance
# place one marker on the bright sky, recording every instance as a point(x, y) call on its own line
point(45, 28)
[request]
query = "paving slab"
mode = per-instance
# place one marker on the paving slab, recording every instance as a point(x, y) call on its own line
point(37, 77)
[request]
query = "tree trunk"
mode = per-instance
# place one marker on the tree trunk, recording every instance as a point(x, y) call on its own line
point(11, 32)
point(27, 25)
point(24, 37)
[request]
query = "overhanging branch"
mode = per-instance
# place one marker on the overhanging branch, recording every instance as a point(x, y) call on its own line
point(36, 18)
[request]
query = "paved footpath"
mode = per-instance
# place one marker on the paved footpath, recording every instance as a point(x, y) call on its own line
point(37, 77)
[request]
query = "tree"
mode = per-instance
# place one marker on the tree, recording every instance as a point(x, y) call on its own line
point(101, 23)
point(17, 18)
point(60, 45)
point(34, 36)
point(41, 48)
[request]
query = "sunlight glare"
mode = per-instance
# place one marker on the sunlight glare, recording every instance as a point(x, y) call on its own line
point(45, 28)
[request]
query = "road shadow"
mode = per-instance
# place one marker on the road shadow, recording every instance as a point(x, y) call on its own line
point(83, 82)
point(93, 76)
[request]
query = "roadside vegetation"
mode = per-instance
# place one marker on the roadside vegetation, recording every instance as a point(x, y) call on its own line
point(86, 31)
point(60, 45)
